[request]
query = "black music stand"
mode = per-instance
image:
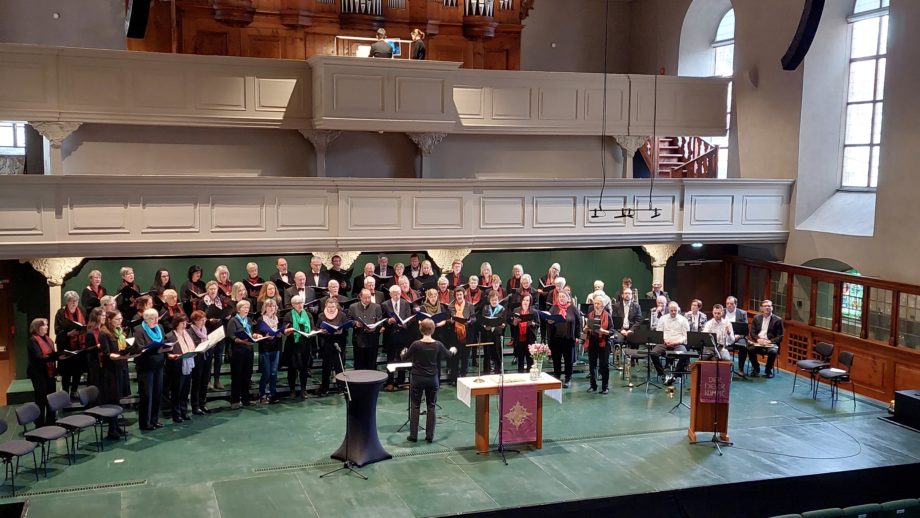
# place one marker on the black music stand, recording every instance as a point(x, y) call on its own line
point(741, 329)
point(696, 341)
point(649, 338)
point(647, 305)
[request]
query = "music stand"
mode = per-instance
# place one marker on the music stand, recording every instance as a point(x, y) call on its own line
point(647, 305)
point(396, 367)
point(648, 338)
point(741, 329)
point(689, 354)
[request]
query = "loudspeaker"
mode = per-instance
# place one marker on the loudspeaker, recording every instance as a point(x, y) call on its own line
point(138, 11)
point(804, 35)
point(907, 408)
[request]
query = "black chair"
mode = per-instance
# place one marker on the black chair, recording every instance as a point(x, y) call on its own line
point(14, 450)
point(27, 414)
point(837, 376)
point(102, 413)
point(74, 424)
point(823, 351)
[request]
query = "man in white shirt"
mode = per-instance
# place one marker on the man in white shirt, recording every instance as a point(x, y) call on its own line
point(724, 335)
point(674, 327)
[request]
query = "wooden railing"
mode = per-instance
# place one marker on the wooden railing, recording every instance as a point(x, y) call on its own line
point(698, 158)
point(877, 320)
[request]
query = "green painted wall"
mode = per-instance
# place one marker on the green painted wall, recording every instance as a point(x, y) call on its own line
point(580, 268)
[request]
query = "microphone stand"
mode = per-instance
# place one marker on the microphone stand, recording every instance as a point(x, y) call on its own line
point(348, 464)
point(501, 450)
point(715, 440)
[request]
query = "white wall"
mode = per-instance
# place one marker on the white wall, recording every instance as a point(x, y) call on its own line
point(577, 29)
point(697, 57)
point(655, 35)
point(82, 23)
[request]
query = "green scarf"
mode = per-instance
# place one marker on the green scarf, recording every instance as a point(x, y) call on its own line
point(301, 321)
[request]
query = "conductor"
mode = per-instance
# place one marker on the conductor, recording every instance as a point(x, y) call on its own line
point(425, 355)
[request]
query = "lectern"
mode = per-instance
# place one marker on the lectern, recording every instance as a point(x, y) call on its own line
point(710, 385)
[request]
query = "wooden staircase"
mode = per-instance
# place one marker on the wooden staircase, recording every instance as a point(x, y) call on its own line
point(681, 157)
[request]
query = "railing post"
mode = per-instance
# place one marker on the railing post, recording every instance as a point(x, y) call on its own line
point(895, 310)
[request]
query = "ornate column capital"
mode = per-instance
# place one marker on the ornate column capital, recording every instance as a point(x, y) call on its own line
point(444, 256)
point(55, 132)
point(54, 268)
point(630, 143)
point(321, 139)
point(660, 253)
point(426, 141)
point(348, 258)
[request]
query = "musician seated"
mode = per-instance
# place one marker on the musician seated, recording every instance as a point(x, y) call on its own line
point(674, 327)
point(766, 335)
point(722, 328)
point(695, 317)
point(660, 311)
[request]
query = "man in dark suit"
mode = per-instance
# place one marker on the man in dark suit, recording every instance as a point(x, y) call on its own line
point(358, 284)
point(765, 337)
point(657, 291)
point(318, 277)
point(380, 48)
point(298, 288)
point(384, 274)
point(626, 314)
point(397, 336)
point(282, 274)
point(364, 340)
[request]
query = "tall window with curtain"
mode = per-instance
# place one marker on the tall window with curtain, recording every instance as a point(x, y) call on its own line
point(862, 141)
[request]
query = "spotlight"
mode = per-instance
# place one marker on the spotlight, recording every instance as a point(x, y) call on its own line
point(697, 245)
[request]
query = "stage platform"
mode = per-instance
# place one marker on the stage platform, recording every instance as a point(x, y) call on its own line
point(266, 460)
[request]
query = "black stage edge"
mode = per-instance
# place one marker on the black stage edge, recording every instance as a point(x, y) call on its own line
point(762, 498)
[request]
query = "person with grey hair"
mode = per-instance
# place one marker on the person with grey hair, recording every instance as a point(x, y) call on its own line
point(70, 331)
point(149, 368)
point(107, 302)
point(299, 348)
point(240, 333)
point(365, 339)
point(674, 328)
point(380, 48)
point(93, 292)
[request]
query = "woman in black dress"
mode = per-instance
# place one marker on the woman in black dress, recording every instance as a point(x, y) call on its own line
point(114, 365)
point(419, 51)
point(332, 358)
point(425, 355)
point(241, 335)
point(70, 335)
point(41, 369)
point(149, 368)
point(524, 324)
point(563, 336)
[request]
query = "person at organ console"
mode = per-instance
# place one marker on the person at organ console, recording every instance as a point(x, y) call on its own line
point(380, 48)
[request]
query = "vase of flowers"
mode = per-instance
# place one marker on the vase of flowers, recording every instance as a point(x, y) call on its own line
point(539, 353)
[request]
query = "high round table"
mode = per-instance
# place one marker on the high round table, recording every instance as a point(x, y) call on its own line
point(361, 428)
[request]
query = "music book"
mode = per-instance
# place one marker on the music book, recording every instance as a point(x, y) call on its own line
point(347, 303)
point(311, 334)
point(319, 291)
point(190, 354)
point(594, 324)
point(67, 354)
point(393, 367)
point(332, 329)
point(267, 332)
point(504, 300)
point(527, 317)
point(252, 285)
point(341, 276)
point(459, 319)
point(401, 321)
point(492, 321)
point(243, 335)
point(214, 337)
point(440, 317)
point(552, 317)
point(281, 284)
point(374, 326)
point(195, 294)
point(130, 293)
point(71, 325)
point(382, 278)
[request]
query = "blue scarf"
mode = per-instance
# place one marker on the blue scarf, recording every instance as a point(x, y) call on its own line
point(246, 325)
point(496, 310)
point(155, 334)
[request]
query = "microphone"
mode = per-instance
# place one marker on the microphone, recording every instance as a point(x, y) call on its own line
point(337, 348)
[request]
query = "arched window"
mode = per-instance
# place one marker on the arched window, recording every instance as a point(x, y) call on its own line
point(863, 129)
point(723, 44)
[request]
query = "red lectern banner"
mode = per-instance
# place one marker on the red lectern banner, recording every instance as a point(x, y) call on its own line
point(715, 382)
point(519, 413)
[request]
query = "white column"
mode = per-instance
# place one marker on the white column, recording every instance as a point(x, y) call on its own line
point(660, 254)
point(444, 256)
point(426, 143)
point(54, 269)
point(321, 139)
point(54, 134)
point(630, 144)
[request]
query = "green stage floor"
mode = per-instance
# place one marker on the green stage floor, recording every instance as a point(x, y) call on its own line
point(266, 461)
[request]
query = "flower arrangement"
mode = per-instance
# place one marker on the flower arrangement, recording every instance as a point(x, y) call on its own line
point(539, 352)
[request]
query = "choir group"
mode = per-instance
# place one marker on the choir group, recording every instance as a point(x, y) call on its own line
point(183, 335)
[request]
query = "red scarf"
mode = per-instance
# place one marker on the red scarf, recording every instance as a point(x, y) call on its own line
point(522, 328)
point(459, 328)
point(501, 293)
point(456, 277)
point(605, 325)
point(100, 291)
point(514, 283)
point(444, 296)
point(225, 287)
point(474, 296)
point(410, 296)
point(76, 342)
point(563, 309)
point(44, 343)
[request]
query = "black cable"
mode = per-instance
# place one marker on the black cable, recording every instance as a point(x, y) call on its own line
point(820, 418)
point(600, 201)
